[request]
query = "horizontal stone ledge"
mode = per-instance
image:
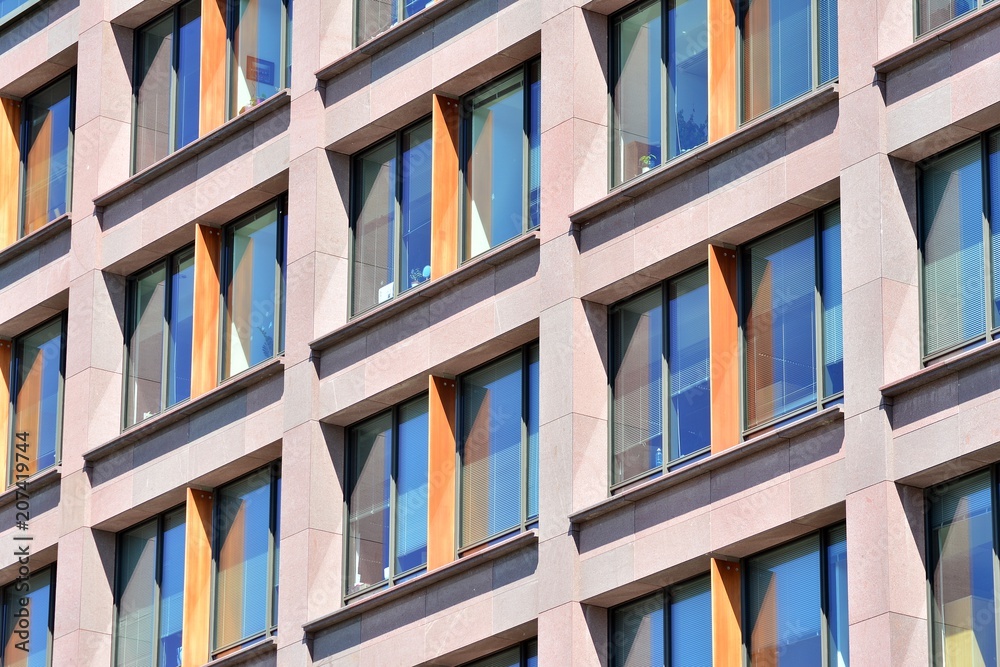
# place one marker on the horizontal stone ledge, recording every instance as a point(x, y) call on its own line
point(36, 238)
point(246, 654)
point(940, 369)
point(34, 484)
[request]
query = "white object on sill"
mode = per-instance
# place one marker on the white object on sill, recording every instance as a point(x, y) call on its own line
point(385, 293)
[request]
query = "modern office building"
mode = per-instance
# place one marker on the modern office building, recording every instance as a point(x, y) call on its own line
point(499, 333)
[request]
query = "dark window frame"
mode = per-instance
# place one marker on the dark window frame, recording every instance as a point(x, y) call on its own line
point(918, 34)
point(232, 11)
point(52, 609)
point(523, 649)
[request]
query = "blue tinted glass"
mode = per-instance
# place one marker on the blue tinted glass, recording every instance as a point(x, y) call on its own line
point(38, 396)
point(180, 331)
point(688, 360)
point(496, 166)
point(836, 582)
point(172, 590)
point(994, 185)
point(828, 41)
point(7, 6)
point(531, 654)
point(370, 478)
point(691, 624)
point(777, 53)
point(637, 94)
point(533, 424)
point(411, 7)
point(687, 72)
point(416, 207)
point(257, 67)
point(38, 609)
point(833, 318)
point(46, 155)
point(535, 143)
point(411, 487)
point(188, 74)
point(637, 638)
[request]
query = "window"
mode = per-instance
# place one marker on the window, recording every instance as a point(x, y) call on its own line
point(28, 609)
point(660, 381)
point(149, 593)
point(158, 370)
point(502, 160)
point(523, 655)
point(375, 16)
point(46, 154)
point(387, 461)
point(246, 560)
point(961, 552)
point(392, 217)
point(792, 328)
point(960, 247)
point(790, 592)
point(499, 450)
point(260, 56)
point(933, 14)
point(37, 400)
point(254, 289)
point(673, 627)
point(10, 6)
point(789, 48)
point(167, 84)
point(653, 72)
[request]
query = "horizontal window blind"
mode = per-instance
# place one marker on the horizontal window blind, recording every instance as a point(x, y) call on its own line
point(691, 624)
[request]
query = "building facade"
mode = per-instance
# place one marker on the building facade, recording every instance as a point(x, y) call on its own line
point(499, 333)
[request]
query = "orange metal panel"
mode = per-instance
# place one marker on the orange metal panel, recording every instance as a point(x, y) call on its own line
point(213, 65)
point(444, 187)
point(441, 473)
point(10, 169)
point(721, 69)
point(724, 347)
point(197, 578)
point(727, 639)
point(207, 272)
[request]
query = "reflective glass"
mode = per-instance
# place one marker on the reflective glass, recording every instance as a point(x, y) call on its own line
point(258, 48)
point(38, 615)
point(368, 504)
point(687, 75)
point(411, 487)
point(374, 267)
point(37, 400)
point(415, 207)
point(688, 360)
point(47, 154)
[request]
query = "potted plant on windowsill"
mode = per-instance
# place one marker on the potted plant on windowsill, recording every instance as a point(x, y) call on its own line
point(416, 277)
point(647, 162)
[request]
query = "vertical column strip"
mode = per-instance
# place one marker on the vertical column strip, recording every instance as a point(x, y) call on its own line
point(727, 639)
point(207, 296)
point(724, 349)
point(10, 168)
point(196, 623)
point(721, 69)
point(5, 379)
point(444, 186)
point(213, 66)
point(441, 480)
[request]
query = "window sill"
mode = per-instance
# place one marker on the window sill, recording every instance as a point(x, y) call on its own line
point(246, 654)
point(387, 38)
point(392, 308)
point(36, 238)
point(943, 368)
point(196, 147)
point(713, 462)
point(395, 593)
point(146, 428)
point(37, 482)
point(932, 41)
point(11, 17)
point(698, 157)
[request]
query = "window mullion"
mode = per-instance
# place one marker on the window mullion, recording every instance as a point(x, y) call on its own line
point(168, 273)
point(393, 447)
point(987, 249)
point(995, 498)
point(525, 416)
point(397, 203)
point(824, 600)
point(665, 424)
point(818, 315)
point(157, 590)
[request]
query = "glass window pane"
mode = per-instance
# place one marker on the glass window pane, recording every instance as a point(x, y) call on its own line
point(828, 41)
point(136, 596)
point(954, 299)
point(533, 426)
point(39, 612)
point(495, 171)
point(777, 53)
point(491, 454)
point(783, 590)
point(180, 335)
point(243, 562)
point(47, 154)
point(780, 327)
point(833, 316)
point(188, 74)
point(257, 67)
point(638, 93)
point(411, 487)
point(935, 13)
point(638, 387)
point(962, 586)
point(172, 590)
point(38, 399)
point(509, 658)
point(252, 284)
point(415, 207)
point(368, 505)
point(535, 144)
point(688, 361)
point(687, 74)
point(691, 624)
point(152, 95)
point(994, 183)
point(836, 586)
point(145, 348)
point(637, 634)
point(375, 227)
point(375, 16)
